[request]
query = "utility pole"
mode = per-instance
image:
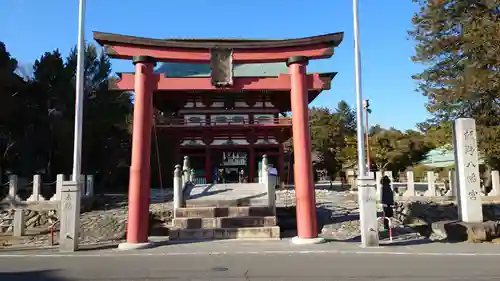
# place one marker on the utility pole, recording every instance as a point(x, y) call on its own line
point(366, 185)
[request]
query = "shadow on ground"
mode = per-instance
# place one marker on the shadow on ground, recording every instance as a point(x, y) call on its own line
point(109, 201)
point(385, 242)
point(39, 275)
point(439, 221)
point(287, 219)
point(288, 224)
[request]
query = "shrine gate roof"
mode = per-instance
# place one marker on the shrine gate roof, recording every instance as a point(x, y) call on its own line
point(332, 39)
point(199, 50)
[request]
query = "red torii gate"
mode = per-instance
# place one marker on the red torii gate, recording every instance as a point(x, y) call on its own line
point(145, 52)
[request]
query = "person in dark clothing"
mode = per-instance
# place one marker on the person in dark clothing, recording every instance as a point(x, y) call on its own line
point(387, 200)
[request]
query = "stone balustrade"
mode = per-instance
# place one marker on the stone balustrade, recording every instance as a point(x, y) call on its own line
point(184, 177)
point(433, 187)
point(37, 184)
point(36, 200)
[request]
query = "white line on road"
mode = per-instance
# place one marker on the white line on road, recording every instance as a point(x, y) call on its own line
point(312, 252)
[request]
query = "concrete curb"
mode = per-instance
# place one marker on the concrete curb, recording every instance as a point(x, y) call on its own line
point(215, 253)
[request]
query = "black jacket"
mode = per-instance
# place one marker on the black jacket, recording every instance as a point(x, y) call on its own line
point(387, 195)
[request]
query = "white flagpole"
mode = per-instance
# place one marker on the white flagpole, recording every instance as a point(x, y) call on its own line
point(366, 187)
point(80, 79)
point(359, 93)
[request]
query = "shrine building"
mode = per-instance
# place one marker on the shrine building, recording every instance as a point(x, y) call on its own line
point(224, 100)
point(230, 130)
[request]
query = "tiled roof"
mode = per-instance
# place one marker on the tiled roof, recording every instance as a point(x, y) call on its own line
point(441, 158)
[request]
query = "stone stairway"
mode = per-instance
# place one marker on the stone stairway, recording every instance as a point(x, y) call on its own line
point(234, 222)
point(234, 215)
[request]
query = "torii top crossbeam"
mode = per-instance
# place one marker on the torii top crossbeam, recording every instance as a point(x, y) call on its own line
point(201, 50)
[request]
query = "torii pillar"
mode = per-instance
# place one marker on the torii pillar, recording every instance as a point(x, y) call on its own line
point(139, 183)
point(307, 229)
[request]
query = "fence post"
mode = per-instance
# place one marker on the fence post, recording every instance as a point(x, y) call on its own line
point(378, 178)
point(431, 185)
point(178, 200)
point(70, 216)
point(82, 185)
point(410, 185)
point(13, 185)
point(36, 192)
point(19, 225)
point(90, 186)
point(185, 170)
point(495, 184)
point(268, 181)
point(59, 183)
point(449, 192)
point(271, 191)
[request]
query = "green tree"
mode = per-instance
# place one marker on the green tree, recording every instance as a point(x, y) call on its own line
point(347, 154)
point(106, 118)
point(49, 98)
point(437, 135)
point(11, 110)
point(458, 42)
point(327, 139)
point(395, 150)
point(107, 115)
point(348, 117)
point(37, 118)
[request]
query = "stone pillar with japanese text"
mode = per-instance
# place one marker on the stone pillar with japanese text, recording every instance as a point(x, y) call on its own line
point(467, 168)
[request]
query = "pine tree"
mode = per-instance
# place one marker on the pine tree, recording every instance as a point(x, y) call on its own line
point(459, 43)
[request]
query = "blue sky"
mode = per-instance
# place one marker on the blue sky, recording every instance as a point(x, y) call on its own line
point(31, 27)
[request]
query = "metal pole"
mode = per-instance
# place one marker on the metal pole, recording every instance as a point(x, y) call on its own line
point(359, 94)
point(80, 68)
point(366, 185)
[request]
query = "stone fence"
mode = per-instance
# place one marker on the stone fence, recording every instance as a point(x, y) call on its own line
point(36, 198)
point(434, 187)
point(21, 205)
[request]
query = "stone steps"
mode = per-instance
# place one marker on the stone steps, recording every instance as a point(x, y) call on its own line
point(216, 212)
point(265, 232)
point(208, 223)
point(223, 222)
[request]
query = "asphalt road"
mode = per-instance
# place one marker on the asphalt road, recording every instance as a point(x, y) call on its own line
point(269, 267)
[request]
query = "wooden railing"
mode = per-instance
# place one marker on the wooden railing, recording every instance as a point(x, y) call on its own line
point(269, 121)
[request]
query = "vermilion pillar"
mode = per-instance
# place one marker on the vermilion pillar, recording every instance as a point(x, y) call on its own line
point(139, 185)
point(303, 176)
